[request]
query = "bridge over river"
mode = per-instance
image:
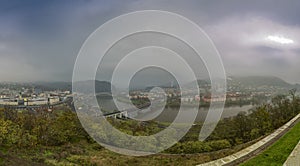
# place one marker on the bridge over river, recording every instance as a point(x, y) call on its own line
point(126, 113)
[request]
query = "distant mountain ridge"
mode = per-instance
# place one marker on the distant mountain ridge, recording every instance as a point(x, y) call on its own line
point(49, 86)
point(254, 81)
point(258, 81)
point(104, 86)
point(100, 86)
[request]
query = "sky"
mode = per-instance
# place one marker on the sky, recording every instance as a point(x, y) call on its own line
point(40, 40)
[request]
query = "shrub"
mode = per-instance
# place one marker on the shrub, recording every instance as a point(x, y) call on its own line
point(219, 144)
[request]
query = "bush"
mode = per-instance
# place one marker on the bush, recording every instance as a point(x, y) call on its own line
point(190, 147)
point(219, 144)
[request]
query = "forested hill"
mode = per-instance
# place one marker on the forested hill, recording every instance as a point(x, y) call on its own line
point(259, 81)
point(100, 86)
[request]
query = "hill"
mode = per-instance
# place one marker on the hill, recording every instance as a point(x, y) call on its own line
point(100, 86)
point(259, 81)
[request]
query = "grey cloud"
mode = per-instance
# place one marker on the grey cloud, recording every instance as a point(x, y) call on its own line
point(41, 40)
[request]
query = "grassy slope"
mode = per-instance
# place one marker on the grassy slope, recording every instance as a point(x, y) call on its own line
point(278, 152)
point(83, 153)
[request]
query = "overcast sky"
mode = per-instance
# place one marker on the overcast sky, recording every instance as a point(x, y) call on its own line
point(39, 40)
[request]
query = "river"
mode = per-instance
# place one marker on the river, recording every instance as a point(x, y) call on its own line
point(168, 114)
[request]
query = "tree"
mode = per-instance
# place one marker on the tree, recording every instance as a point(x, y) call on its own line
point(8, 133)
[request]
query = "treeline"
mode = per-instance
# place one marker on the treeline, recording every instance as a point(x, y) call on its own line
point(244, 127)
point(259, 122)
point(23, 129)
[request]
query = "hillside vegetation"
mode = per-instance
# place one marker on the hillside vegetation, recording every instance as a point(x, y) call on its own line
point(57, 138)
point(278, 153)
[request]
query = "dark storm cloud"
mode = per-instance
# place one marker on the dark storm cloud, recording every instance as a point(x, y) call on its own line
point(41, 39)
point(46, 36)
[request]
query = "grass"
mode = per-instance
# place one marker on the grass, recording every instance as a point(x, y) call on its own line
point(85, 153)
point(279, 151)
